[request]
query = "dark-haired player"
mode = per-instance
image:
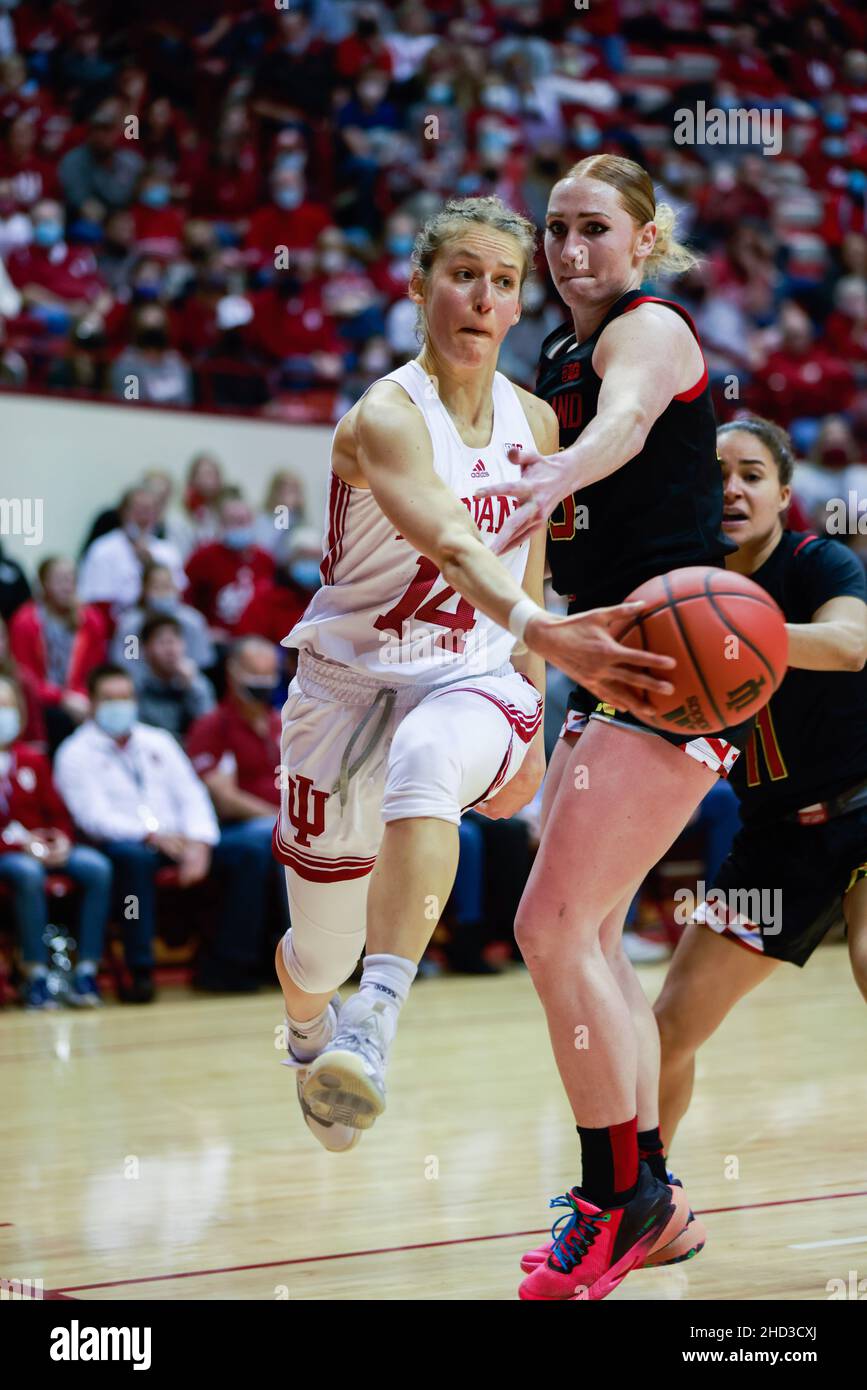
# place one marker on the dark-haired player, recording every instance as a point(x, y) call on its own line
point(802, 782)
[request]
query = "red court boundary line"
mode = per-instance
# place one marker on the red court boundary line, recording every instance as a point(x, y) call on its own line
point(399, 1249)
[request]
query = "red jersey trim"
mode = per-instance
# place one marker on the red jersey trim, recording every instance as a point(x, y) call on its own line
point(695, 391)
point(805, 541)
point(338, 505)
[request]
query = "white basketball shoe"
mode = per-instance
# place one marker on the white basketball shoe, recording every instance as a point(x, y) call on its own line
point(346, 1083)
point(333, 1136)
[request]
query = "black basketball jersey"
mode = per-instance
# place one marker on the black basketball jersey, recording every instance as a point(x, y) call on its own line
point(810, 740)
point(660, 511)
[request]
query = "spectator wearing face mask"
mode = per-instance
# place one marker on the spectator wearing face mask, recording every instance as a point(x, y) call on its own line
point(150, 370)
point(230, 374)
point(131, 790)
point(290, 325)
point(236, 752)
point(36, 838)
point(159, 227)
point(291, 219)
point(222, 575)
point(835, 469)
point(59, 640)
point(494, 125)
point(170, 689)
point(58, 283)
point(391, 271)
point(34, 718)
point(160, 599)
point(278, 602)
point(348, 294)
point(368, 126)
point(112, 568)
point(282, 511)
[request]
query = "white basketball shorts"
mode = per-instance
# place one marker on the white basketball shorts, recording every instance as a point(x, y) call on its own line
point(356, 753)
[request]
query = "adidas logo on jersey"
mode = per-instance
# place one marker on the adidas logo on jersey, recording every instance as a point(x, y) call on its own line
point(480, 471)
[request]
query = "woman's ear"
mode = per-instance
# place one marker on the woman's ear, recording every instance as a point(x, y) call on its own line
point(415, 289)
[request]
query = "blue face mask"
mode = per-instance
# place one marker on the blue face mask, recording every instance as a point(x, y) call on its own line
point(440, 94)
point(47, 233)
point(238, 537)
point(400, 246)
point(10, 726)
point(156, 196)
point(116, 717)
point(86, 231)
point(305, 573)
point(288, 198)
point(835, 120)
point(163, 603)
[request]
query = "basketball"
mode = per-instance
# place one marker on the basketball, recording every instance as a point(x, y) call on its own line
point(728, 637)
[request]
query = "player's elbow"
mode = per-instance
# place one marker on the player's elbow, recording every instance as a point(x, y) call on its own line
point(453, 547)
point(856, 655)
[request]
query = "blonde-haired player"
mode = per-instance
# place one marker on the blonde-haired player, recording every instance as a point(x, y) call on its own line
point(410, 704)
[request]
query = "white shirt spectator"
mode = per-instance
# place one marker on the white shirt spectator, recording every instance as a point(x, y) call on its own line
point(111, 570)
point(129, 791)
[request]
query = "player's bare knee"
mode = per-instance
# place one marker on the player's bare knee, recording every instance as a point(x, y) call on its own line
point(679, 1037)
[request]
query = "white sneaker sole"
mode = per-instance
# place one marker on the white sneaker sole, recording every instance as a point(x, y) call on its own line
point(339, 1090)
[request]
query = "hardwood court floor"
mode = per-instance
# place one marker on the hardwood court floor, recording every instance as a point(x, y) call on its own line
point(159, 1153)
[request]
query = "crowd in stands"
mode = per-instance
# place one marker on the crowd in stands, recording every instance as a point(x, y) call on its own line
point(218, 209)
point(140, 729)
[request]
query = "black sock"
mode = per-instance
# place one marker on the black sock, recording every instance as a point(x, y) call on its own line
point(609, 1163)
point(652, 1150)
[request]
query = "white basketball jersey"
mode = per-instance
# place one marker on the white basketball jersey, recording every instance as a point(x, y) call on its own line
point(383, 607)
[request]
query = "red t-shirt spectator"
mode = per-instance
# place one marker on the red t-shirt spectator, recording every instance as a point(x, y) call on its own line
point(294, 325)
point(158, 231)
point(30, 176)
point(791, 385)
point(28, 795)
point(225, 188)
point(27, 642)
point(225, 734)
point(222, 581)
point(67, 271)
point(846, 337)
point(273, 611)
point(271, 226)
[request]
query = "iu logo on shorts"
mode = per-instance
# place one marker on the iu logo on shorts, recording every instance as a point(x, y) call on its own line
point(302, 799)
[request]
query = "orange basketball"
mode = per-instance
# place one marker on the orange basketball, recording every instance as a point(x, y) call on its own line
point(729, 640)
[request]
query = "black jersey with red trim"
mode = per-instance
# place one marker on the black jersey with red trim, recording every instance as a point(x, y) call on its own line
point(660, 511)
point(810, 740)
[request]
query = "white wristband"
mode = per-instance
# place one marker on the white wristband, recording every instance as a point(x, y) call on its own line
point(523, 611)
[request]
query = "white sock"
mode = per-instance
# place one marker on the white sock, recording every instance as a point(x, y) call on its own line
point(386, 980)
point(307, 1039)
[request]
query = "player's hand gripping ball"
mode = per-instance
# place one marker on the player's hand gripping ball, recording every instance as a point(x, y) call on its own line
point(728, 637)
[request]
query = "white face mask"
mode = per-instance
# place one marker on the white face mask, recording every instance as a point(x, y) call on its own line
point(116, 717)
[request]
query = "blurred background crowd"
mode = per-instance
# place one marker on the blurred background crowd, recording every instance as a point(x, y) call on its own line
point(213, 207)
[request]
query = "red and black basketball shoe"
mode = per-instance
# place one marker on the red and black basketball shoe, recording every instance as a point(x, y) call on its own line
point(686, 1244)
point(597, 1248)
